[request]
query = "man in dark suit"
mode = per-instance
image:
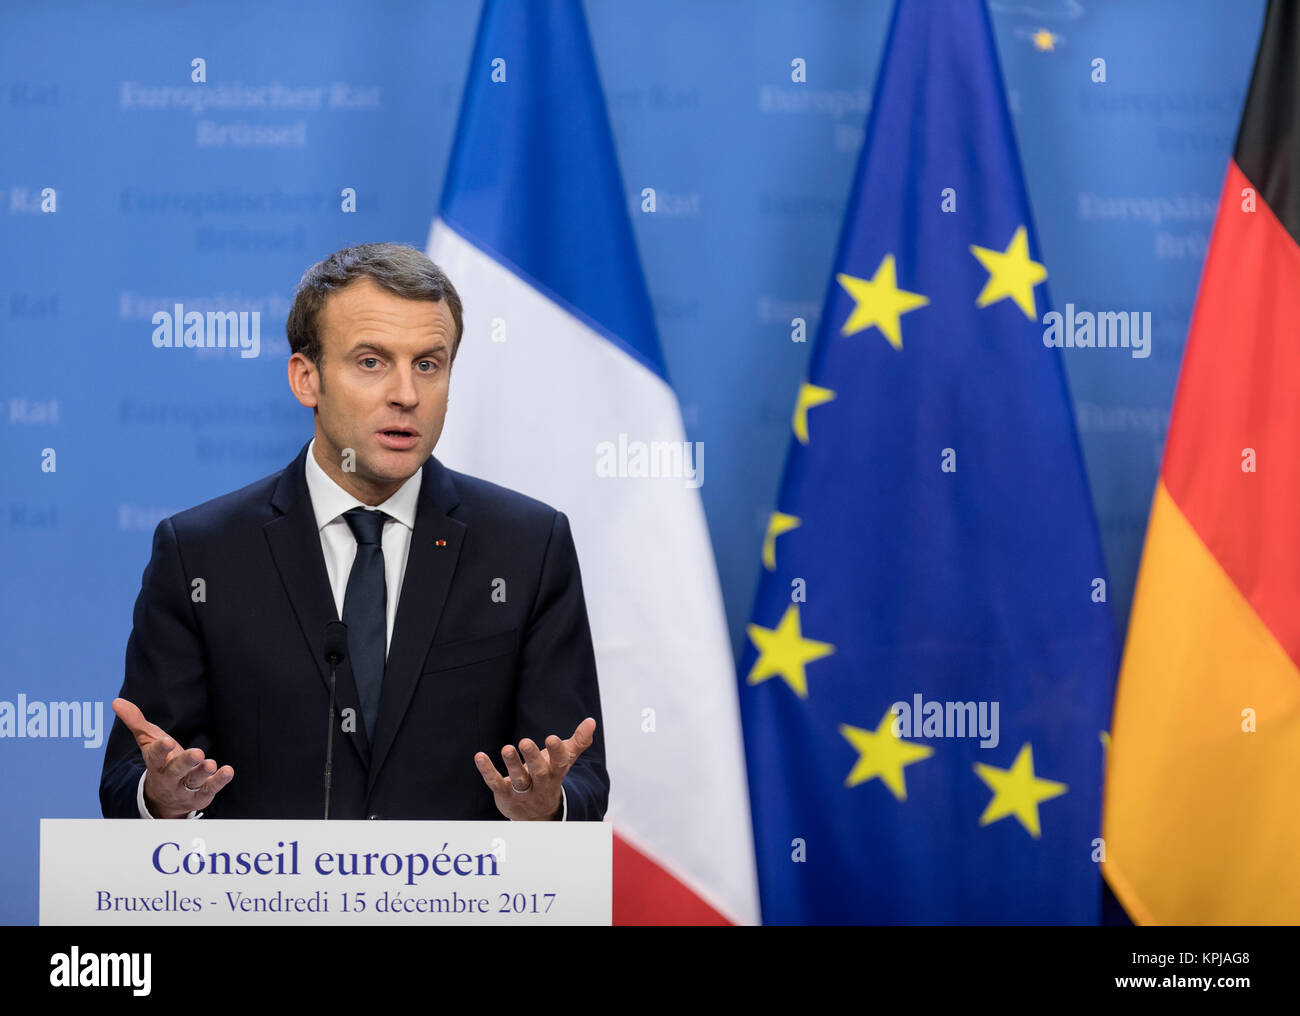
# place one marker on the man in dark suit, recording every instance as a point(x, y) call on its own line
point(467, 627)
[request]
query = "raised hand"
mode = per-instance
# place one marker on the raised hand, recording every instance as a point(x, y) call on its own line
point(177, 780)
point(532, 790)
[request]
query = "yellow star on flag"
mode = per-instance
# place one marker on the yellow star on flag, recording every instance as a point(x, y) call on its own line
point(783, 650)
point(1011, 274)
point(779, 523)
point(882, 753)
point(1017, 791)
point(879, 302)
point(1044, 40)
point(810, 396)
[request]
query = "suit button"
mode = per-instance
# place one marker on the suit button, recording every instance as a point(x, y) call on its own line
point(374, 816)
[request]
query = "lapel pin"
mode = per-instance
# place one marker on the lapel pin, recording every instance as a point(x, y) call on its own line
point(440, 543)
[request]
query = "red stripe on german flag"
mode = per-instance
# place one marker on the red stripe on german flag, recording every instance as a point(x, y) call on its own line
point(1232, 461)
point(1201, 818)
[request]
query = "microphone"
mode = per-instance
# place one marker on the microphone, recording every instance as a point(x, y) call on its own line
point(336, 651)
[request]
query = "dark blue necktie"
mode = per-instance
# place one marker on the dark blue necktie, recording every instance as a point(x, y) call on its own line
point(365, 611)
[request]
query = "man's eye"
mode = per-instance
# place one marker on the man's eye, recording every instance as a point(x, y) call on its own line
point(368, 360)
point(431, 364)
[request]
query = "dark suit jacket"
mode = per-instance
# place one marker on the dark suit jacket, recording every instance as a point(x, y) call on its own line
point(241, 673)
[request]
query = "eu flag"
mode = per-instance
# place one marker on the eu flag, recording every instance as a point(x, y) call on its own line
point(932, 654)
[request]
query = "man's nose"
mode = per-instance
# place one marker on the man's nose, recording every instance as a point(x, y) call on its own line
point(404, 391)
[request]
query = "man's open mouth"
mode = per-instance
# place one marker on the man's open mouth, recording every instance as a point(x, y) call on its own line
point(399, 438)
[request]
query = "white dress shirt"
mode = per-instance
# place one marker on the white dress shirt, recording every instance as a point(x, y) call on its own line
point(329, 502)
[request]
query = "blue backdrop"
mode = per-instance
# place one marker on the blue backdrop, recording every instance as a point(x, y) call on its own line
point(126, 188)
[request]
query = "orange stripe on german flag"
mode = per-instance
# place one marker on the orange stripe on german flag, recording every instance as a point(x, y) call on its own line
point(1201, 825)
point(1202, 822)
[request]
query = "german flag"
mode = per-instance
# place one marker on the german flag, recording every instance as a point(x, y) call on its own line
point(1202, 797)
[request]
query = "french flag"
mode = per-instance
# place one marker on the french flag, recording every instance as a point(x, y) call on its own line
point(561, 368)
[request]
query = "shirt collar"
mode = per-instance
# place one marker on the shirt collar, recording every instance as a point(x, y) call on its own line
point(329, 501)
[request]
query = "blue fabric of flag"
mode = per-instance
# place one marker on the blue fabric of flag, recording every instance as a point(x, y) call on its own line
point(941, 543)
point(534, 180)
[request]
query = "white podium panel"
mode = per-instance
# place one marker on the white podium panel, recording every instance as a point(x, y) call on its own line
point(128, 872)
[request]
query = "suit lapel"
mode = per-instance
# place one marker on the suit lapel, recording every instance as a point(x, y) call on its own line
point(295, 545)
point(429, 568)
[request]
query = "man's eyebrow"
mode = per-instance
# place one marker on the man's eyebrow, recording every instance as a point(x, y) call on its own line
point(441, 347)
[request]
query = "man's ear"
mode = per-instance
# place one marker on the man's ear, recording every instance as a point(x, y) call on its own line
point(304, 380)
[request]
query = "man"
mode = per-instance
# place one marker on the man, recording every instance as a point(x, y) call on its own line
point(466, 621)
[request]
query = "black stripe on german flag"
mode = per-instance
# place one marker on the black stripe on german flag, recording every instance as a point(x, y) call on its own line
point(1268, 141)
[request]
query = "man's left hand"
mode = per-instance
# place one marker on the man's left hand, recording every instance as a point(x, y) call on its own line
point(531, 790)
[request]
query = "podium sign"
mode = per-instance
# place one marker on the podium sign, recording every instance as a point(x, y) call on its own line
point(135, 872)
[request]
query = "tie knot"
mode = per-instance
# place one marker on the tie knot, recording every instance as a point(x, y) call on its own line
point(367, 525)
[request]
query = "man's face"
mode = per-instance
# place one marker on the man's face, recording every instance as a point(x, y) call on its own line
point(382, 387)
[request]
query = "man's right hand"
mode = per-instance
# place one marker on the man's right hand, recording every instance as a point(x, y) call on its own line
point(177, 781)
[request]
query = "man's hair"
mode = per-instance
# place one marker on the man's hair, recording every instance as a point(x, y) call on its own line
point(400, 269)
